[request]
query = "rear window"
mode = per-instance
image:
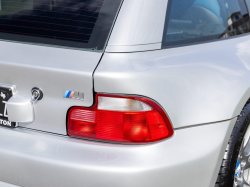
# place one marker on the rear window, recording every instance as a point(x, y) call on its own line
point(71, 23)
point(191, 21)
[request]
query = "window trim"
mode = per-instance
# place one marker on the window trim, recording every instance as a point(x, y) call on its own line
point(194, 43)
point(205, 42)
point(90, 46)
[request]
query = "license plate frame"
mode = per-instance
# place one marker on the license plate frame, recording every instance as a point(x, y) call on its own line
point(6, 92)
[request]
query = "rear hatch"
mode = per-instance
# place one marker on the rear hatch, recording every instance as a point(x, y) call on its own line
point(54, 46)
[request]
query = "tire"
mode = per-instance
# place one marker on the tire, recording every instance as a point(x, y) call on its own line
point(227, 170)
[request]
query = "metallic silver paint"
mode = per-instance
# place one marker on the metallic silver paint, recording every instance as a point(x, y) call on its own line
point(195, 84)
point(139, 22)
point(20, 109)
point(47, 160)
point(3, 184)
point(54, 70)
point(132, 48)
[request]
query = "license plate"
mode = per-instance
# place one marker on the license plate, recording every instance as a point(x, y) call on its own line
point(5, 95)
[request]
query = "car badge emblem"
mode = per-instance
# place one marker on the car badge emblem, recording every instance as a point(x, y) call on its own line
point(74, 95)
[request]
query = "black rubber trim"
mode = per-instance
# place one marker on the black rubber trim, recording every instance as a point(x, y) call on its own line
point(227, 170)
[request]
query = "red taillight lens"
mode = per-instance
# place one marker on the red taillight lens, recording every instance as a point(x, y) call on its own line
point(120, 119)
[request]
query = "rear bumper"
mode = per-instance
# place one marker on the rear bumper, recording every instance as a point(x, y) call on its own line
point(192, 157)
point(3, 184)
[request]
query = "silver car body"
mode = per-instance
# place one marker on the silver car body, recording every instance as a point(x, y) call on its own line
point(202, 88)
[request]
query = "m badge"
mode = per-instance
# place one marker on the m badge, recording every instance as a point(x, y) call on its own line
point(74, 95)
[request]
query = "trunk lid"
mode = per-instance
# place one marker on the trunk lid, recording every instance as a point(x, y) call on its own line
point(55, 46)
point(53, 70)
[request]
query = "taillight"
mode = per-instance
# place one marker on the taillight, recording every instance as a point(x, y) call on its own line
point(124, 119)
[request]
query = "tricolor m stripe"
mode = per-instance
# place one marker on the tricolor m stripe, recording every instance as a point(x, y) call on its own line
point(68, 94)
point(74, 95)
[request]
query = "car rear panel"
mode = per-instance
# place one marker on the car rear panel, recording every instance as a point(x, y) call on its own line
point(195, 84)
point(40, 159)
point(53, 70)
point(33, 159)
point(54, 46)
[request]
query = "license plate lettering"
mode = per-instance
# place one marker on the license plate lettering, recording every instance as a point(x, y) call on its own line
point(5, 110)
point(5, 122)
point(5, 95)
